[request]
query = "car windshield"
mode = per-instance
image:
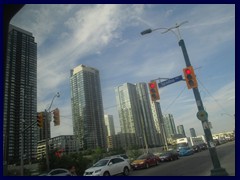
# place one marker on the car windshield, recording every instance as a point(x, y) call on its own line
point(165, 154)
point(142, 157)
point(100, 163)
point(184, 148)
point(124, 156)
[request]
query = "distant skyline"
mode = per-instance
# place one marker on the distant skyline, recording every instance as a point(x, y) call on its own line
point(107, 37)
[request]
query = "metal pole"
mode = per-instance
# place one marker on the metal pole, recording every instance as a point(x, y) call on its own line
point(145, 140)
point(217, 169)
point(22, 144)
point(22, 134)
point(164, 136)
point(47, 123)
point(161, 120)
point(46, 139)
point(144, 135)
point(22, 148)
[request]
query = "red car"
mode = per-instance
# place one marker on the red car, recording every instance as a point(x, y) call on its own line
point(145, 161)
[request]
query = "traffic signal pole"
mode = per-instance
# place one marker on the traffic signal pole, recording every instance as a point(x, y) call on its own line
point(22, 144)
point(202, 115)
point(47, 125)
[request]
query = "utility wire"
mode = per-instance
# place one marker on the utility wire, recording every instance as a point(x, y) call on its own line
point(175, 99)
point(212, 96)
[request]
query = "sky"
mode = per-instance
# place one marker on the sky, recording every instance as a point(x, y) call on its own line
point(107, 37)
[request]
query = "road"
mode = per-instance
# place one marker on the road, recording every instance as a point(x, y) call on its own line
point(198, 164)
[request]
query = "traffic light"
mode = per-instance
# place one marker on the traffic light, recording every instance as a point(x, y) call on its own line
point(153, 88)
point(56, 117)
point(40, 119)
point(190, 77)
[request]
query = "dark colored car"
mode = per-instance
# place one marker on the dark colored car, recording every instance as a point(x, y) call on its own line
point(196, 148)
point(203, 146)
point(145, 161)
point(168, 156)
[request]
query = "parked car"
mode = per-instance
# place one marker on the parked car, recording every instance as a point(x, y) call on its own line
point(59, 172)
point(185, 151)
point(43, 174)
point(145, 161)
point(108, 167)
point(196, 148)
point(124, 156)
point(168, 156)
point(203, 146)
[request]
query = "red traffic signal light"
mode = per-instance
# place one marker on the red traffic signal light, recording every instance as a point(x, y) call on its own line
point(56, 117)
point(190, 77)
point(40, 119)
point(153, 88)
point(188, 71)
point(152, 85)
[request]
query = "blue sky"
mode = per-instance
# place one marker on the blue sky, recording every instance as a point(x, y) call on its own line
point(107, 37)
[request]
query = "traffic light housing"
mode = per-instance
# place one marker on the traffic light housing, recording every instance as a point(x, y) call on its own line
point(56, 117)
point(153, 89)
point(190, 77)
point(40, 119)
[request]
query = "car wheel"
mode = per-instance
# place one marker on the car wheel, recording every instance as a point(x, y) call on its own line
point(106, 174)
point(126, 171)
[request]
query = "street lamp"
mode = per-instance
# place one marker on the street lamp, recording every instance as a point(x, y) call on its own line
point(164, 136)
point(46, 129)
point(202, 114)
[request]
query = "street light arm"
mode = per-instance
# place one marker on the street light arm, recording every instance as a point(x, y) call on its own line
point(147, 31)
point(56, 95)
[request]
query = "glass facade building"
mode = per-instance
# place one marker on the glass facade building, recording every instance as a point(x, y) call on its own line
point(193, 132)
point(109, 124)
point(135, 115)
point(180, 129)
point(110, 131)
point(20, 96)
point(87, 108)
point(147, 115)
point(169, 126)
point(129, 114)
point(158, 122)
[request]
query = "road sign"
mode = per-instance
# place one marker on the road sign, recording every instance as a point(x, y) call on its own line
point(205, 125)
point(202, 115)
point(170, 81)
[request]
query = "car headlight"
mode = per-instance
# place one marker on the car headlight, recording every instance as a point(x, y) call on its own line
point(97, 171)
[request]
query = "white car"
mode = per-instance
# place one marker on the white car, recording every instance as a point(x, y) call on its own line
point(59, 172)
point(108, 167)
point(124, 156)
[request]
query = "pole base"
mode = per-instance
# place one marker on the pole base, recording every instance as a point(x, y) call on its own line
point(219, 172)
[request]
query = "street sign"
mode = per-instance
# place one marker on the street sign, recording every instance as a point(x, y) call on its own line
point(205, 125)
point(202, 115)
point(170, 81)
